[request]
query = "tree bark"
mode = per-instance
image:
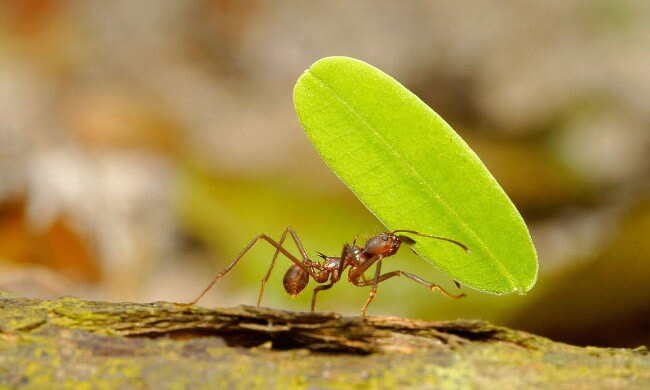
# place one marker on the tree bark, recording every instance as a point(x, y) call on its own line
point(72, 342)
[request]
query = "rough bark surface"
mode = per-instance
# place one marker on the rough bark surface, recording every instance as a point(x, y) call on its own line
point(70, 342)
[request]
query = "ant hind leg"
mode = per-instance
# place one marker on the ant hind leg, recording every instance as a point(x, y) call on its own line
point(248, 247)
point(296, 240)
point(268, 272)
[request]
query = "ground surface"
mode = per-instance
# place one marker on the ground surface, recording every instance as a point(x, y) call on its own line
point(70, 342)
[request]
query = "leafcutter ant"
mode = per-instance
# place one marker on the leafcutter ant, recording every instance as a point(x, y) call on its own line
point(330, 269)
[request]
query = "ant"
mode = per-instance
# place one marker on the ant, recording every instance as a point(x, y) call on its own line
point(330, 270)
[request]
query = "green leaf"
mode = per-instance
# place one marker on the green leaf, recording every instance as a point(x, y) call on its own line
point(410, 168)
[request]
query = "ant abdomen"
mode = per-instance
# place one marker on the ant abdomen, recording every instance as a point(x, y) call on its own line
point(295, 280)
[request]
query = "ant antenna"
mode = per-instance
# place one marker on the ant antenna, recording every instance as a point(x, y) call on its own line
point(465, 248)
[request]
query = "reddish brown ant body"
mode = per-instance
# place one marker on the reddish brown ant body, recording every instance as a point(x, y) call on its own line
point(357, 258)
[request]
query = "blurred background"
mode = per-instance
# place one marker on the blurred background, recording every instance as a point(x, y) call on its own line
point(144, 143)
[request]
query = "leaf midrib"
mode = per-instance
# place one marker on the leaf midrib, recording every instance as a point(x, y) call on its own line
point(431, 191)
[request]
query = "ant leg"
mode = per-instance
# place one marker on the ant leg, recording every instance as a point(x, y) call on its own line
point(268, 272)
point(335, 277)
point(415, 278)
point(316, 290)
point(373, 292)
point(305, 258)
point(242, 253)
point(296, 240)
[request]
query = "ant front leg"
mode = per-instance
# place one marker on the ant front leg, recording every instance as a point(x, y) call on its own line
point(415, 278)
point(375, 281)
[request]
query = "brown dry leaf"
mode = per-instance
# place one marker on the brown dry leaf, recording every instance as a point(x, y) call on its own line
point(14, 240)
point(59, 247)
point(113, 120)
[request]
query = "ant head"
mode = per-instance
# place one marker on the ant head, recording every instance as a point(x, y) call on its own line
point(384, 244)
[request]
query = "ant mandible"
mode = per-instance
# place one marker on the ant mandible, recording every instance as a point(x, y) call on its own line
point(358, 259)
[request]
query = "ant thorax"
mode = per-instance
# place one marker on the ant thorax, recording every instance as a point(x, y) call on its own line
point(355, 255)
point(331, 263)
